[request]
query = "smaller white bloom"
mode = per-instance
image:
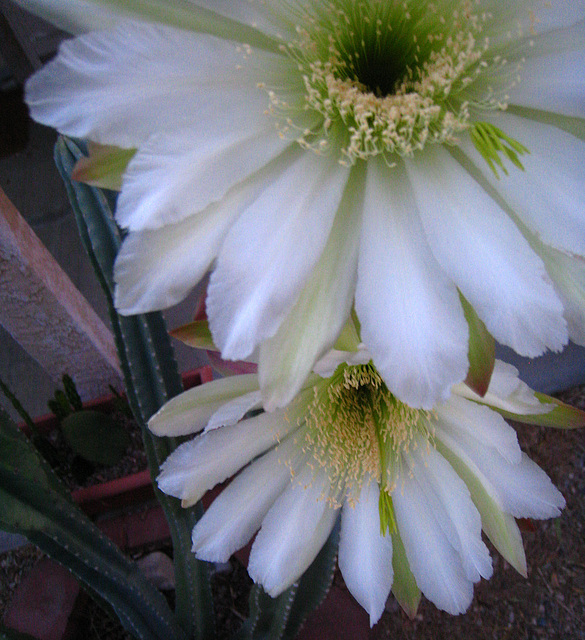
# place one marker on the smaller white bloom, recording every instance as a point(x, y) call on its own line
point(414, 488)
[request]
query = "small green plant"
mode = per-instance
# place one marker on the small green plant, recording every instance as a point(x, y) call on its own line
point(93, 435)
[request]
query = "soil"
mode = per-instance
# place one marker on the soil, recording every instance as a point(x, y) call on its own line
point(549, 604)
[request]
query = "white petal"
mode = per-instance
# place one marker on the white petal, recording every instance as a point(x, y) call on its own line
point(268, 18)
point(548, 196)
point(156, 269)
point(234, 410)
point(208, 459)
point(522, 488)
point(527, 492)
point(523, 19)
point(76, 17)
point(568, 274)
point(236, 514)
point(453, 510)
point(551, 77)
point(326, 366)
point(175, 175)
point(411, 317)
point(211, 16)
point(365, 556)
point(506, 391)
point(321, 311)
point(485, 254)
point(473, 422)
point(292, 533)
point(500, 527)
point(145, 79)
point(270, 251)
point(190, 411)
point(435, 564)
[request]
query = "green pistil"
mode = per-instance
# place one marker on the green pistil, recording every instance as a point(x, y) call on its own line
point(387, 517)
point(491, 142)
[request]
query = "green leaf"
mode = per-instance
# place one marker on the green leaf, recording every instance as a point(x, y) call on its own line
point(60, 405)
point(18, 407)
point(19, 455)
point(71, 393)
point(10, 634)
point(481, 353)
point(95, 436)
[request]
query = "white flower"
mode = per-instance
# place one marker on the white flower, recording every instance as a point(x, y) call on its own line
point(414, 488)
point(316, 155)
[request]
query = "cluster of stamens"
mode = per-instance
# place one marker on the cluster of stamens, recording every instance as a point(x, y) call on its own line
point(358, 432)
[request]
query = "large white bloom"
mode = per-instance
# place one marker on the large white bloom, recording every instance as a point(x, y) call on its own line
point(414, 488)
point(316, 155)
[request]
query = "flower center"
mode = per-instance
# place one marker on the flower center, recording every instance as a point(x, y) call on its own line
point(359, 432)
point(382, 77)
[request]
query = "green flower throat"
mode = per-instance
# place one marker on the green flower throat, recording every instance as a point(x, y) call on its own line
point(358, 432)
point(386, 78)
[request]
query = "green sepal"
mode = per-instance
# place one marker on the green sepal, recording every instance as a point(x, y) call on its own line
point(349, 338)
point(561, 416)
point(481, 353)
point(404, 586)
point(195, 334)
point(104, 167)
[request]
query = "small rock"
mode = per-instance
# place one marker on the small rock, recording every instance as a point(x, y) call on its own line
point(159, 569)
point(221, 567)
